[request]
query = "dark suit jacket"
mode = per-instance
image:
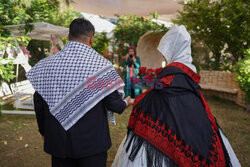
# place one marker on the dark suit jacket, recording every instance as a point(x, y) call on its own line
point(89, 136)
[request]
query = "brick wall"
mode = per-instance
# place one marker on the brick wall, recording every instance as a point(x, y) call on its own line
point(223, 85)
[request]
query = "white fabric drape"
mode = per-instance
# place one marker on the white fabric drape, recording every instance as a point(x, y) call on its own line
point(175, 46)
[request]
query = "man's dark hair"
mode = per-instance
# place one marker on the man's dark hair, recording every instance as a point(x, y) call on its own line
point(81, 28)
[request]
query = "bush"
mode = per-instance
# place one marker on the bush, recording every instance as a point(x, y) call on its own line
point(6, 72)
point(101, 42)
point(129, 30)
point(243, 74)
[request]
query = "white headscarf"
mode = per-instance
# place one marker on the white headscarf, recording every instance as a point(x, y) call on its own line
point(175, 46)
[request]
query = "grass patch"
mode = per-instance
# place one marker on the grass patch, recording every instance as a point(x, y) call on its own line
point(24, 146)
point(235, 122)
point(10, 106)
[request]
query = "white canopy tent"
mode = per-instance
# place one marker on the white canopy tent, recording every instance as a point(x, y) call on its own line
point(41, 31)
point(100, 24)
point(161, 22)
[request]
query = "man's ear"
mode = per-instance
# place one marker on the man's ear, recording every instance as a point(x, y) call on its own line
point(91, 41)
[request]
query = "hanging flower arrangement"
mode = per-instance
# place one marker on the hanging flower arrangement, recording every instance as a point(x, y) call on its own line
point(147, 77)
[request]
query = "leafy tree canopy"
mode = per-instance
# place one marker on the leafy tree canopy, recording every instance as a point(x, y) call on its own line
point(30, 11)
point(218, 24)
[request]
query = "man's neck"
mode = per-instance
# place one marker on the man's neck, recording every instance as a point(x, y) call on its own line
point(85, 43)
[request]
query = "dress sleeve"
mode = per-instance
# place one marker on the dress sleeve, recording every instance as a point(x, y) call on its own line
point(124, 63)
point(39, 105)
point(137, 63)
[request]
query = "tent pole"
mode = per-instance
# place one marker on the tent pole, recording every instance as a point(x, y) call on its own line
point(17, 70)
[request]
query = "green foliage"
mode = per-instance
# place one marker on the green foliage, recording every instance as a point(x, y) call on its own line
point(30, 11)
point(236, 20)
point(243, 74)
point(130, 28)
point(101, 42)
point(38, 50)
point(6, 72)
point(154, 15)
point(4, 41)
point(218, 24)
point(43, 10)
point(21, 12)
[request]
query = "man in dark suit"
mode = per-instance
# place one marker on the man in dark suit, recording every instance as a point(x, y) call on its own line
point(84, 141)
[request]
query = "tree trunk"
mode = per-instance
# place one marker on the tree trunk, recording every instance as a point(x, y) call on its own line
point(0, 110)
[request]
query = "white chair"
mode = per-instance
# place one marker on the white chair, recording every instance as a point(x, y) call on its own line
point(23, 94)
point(6, 96)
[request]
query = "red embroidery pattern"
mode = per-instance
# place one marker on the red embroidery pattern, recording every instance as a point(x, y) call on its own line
point(167, 80)
point(166, 140)
point(187, 70)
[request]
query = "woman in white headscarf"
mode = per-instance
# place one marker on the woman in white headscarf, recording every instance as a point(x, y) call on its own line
point(171, 124)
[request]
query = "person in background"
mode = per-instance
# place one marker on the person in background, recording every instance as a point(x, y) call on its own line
point(131, 65)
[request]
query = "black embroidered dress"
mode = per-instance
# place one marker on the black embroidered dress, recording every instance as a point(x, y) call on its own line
point(172, 125)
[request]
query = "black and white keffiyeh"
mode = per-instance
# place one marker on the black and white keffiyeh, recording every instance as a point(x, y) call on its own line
point(73, 81)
